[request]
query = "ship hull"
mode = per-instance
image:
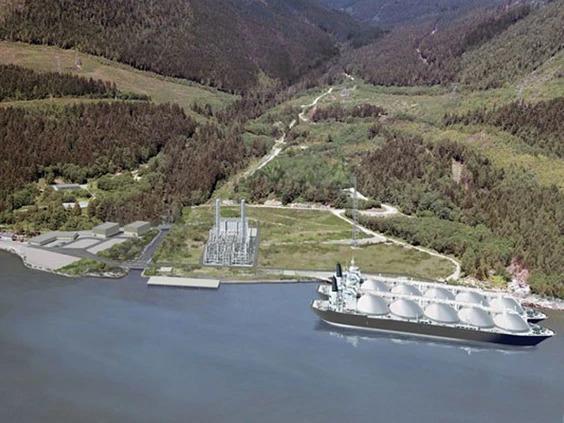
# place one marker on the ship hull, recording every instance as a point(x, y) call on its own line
point(363, 322)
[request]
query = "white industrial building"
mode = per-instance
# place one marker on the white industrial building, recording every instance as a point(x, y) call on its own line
point(137, 229)
point(106, 230)
point(231, 241)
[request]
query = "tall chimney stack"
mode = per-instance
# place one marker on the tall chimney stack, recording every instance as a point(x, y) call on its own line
point(217, 216)
point(243, 221)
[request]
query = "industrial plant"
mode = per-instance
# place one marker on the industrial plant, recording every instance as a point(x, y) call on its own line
point(231, 242)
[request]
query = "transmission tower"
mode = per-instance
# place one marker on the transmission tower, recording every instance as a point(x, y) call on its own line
point(355, 214)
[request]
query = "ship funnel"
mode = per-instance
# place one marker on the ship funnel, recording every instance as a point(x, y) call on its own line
point(339, 270)
point(334, 286)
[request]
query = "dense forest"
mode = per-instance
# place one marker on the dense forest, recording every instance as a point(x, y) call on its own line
point(339, 113)
point(540, 125)
point(18, 83)
point(518, 51)
point(225, 43)
point(77, 142)
point(429, 53)
point(525, 219)
point(390, 13)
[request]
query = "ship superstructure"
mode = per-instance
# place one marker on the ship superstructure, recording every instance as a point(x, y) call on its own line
point(427, 308)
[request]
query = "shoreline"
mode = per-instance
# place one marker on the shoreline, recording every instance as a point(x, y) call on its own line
point(11, 247)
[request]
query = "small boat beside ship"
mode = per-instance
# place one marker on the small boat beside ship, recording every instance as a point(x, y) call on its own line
point(427, 309)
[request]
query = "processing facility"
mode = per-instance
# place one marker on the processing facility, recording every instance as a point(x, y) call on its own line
point(231, 241)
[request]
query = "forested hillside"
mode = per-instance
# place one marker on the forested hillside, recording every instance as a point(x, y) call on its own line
point(517, 219)
point(223, 43)
point(389, 13)
point(517, 51)
point(540, 125)
point(429, 53)
point(18, 83)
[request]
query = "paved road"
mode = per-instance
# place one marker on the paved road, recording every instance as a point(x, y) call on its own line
point(147, 254)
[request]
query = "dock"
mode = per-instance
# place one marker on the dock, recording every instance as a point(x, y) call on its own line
point(183, 282)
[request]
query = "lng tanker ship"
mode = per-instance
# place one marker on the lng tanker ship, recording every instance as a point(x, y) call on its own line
point(427, 309)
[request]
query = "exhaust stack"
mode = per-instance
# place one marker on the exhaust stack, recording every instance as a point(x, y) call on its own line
point(339, 270)
point(334, 286)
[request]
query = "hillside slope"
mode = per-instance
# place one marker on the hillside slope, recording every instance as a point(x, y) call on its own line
point(227, 43)
point(484, 48)
point(389, 13)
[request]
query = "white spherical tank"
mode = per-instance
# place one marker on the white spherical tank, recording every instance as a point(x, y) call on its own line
point(406, 309)
point(511, 322)
point(439, 294)
point(371, 304)
point(405, 289)
point(476, 317)
point(500, 304)
point(441, 313)
point(470, 297)
point(375, 285)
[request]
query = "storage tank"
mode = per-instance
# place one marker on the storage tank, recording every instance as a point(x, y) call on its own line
point(511, 322)
point(439, 294)
point(441, 313)
point(476, 317)
point(499, 304)
point(406, 309)
point(470, 297)
point(371, 304)
point(405, 289)
point(375, 285)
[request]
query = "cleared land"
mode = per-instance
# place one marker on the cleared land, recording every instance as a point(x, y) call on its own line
point(290, 239)
point(127, 79)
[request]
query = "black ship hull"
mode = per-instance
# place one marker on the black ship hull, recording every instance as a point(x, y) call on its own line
point(364, 322)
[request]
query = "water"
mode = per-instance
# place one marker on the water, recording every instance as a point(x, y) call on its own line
point(93, 350)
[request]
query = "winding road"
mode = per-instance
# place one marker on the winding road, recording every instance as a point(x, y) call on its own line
point(307, 107)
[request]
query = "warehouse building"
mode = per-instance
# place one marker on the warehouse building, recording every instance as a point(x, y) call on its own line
point(48, 238)
point(137, 229)
point(106, 230)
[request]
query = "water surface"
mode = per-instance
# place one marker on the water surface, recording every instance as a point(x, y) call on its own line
point(93, 350)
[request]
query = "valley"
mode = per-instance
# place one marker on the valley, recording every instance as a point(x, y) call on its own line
point(428, 137)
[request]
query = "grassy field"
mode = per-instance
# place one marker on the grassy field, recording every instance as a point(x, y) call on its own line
point(290, 240)
point(160, 89)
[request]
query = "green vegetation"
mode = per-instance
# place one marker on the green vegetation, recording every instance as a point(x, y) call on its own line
point(290, 239)
point(127, 79)
point(130, 249)
point(87, 267)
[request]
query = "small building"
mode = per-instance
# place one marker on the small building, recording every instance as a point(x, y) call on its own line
point(106, 230)
point(137, 229)
point(48, 238)
point(66, 187)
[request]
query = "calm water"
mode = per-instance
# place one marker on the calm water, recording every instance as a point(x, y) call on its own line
point(116, 351)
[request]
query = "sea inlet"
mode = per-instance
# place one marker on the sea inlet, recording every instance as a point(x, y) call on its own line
point(95, 350)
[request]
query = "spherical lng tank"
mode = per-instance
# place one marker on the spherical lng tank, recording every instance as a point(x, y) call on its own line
point(371, 304)
point(406, 309)
point(439, 294)
point(511, 322)
point(499, 304)
point(476, 317)
point(405, 289)
point(470, 297)
point(375, 285)
point(441, 313)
